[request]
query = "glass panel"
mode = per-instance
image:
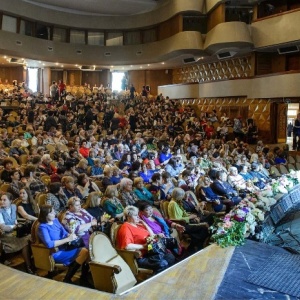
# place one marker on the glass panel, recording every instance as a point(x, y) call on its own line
point(42, 32)
point(26, 28)
point(77, 37)
point(96, 38)
point(149, 36)
point(9, 23)
point(59, 35)
point(114, 39)
point(132, 38)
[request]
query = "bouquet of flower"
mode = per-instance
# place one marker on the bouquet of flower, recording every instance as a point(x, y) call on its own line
point(72, 226)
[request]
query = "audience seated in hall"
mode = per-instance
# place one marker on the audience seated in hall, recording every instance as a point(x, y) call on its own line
point(162, 147)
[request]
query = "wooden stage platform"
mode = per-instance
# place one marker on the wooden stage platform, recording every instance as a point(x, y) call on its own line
point(197, 277)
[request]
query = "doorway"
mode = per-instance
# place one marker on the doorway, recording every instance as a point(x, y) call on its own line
point(292, 111)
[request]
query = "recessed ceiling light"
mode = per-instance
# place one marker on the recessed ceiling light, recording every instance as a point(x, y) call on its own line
point(56, 64)
point(40, 62)
point(43, 64)
point(111, 66)
point(76, 65)
point(131, 66)
point(62, 66)
point(162, 63)
point(5, 56)
point(141, 67)
point(148, 65)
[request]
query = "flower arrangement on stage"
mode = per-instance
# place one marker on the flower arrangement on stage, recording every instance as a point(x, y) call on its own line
point(244, 219)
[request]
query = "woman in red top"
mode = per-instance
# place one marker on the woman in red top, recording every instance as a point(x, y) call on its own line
point(209, 130)
point(133, 235)
point(84, 150)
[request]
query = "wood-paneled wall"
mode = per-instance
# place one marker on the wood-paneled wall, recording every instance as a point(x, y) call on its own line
point(170, 27)
point(216, 17)
point(257, 109)
point(153, 78)
point(97, 77)
point(268, 63)
point(11, 73)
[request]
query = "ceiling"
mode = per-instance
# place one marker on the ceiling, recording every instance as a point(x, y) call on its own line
point(100, 7)
point(111, 7)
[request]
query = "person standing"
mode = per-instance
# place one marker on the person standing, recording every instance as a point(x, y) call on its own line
point(296, 133)
point(289, 129)
point(53, 91)
point(132, 91)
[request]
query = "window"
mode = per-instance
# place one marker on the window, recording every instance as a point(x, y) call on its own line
point(132, 38)
point(26, 27)
point(33, 79)
point(149, 36)
point(77, 37)
point(96, 38)
point(59, 35)
point(9, 24)
point(114, 39)
point(117, 78)
point(42, 32)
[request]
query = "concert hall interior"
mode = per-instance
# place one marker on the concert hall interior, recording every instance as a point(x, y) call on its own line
point(150, 149)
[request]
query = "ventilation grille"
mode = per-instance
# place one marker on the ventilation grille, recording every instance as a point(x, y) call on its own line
point(16, 61)
point(224, 55)
point(189, 60)
point(290, 49)
point(87, 68)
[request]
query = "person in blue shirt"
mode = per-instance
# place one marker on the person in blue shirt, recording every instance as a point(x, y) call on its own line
point(141, 192)
point(53, 235)
point(165, 155)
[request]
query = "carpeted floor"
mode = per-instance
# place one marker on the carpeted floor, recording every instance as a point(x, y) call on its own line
point(246, 260)
point(281, 273)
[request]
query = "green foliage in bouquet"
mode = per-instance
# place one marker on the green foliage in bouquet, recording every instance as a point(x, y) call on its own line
point(232, 236)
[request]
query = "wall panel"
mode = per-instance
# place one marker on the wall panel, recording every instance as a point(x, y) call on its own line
point(256, 109)
point(216, 17)
point(11, 73)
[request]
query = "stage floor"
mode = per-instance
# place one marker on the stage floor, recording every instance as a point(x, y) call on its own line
point(213, 273)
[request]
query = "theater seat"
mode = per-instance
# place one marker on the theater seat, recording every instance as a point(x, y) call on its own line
point(109, 270)
point(43, 259)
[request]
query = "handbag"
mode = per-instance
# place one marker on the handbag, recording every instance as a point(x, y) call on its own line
point(23, 229)
point(78, 243)
point(170, 243)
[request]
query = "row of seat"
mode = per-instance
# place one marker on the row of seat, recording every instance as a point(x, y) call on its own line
point(113, 270)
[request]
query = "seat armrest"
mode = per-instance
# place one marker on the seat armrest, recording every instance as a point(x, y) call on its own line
point(116, 269)
point(130, 253)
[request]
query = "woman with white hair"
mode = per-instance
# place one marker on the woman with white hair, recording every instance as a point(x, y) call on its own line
point(236, 180)
point(45, 166)
point(127, 196)
point(133, 235)
point(15, 149)
point(198, 233)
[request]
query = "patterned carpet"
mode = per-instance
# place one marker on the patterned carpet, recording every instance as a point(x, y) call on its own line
point(281, 273)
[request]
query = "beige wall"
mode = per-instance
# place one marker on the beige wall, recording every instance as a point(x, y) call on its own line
point(66, 19)
point(276, 30)
point(277, 86)
point(34, 48)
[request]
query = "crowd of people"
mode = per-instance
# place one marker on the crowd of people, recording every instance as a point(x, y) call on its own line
point(98, 163)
